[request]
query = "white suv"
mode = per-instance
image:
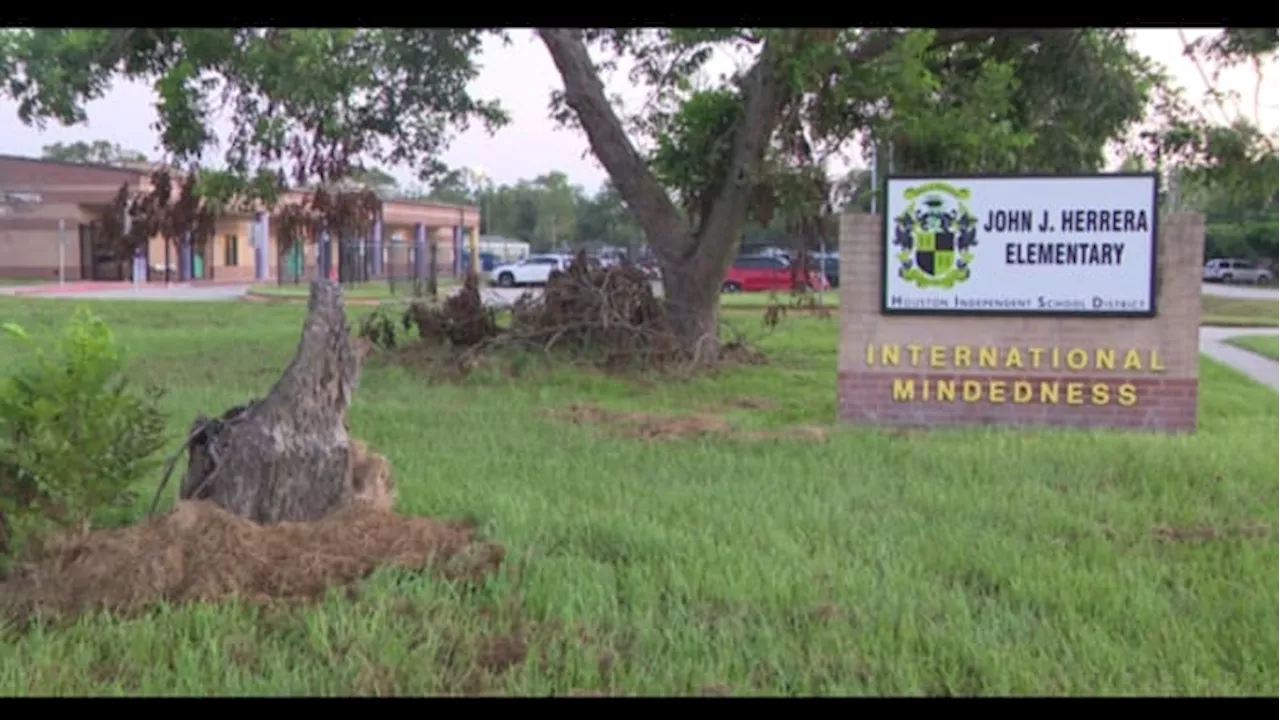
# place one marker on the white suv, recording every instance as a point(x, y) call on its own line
point(1231, 270)
point(533, 270)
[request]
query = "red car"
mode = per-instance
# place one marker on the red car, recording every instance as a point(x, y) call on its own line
point(767, 274)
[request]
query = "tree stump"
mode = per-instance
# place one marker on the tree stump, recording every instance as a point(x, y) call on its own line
point(286, 457)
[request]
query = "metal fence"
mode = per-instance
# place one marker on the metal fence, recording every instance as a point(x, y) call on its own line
point(361, 263)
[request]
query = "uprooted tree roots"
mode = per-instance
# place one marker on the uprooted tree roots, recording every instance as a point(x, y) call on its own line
point(278, 502)
point(200, 552)
point(608, 316)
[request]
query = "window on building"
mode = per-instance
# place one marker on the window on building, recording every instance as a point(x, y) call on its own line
point(231, 251)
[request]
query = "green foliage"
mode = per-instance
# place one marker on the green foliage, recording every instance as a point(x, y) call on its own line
point(310, 103)
point(1224, 166)
point(941, 121)
point(695, 148)
point(1249, 240)
point(956, 100)
point(546, 211)
point(74, 435)
point(604, 218)
point(100, 152)
point(381, 329)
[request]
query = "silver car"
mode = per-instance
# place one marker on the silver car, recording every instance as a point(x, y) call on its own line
point(1231, 270)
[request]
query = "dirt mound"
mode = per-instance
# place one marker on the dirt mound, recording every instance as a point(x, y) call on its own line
point(199, 552)
point(372, 483)
point(644, 425)
point(647, 426)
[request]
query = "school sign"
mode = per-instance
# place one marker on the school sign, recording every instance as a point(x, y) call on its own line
point(1060, 301)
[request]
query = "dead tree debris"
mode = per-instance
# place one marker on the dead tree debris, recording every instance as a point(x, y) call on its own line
point(286, 457)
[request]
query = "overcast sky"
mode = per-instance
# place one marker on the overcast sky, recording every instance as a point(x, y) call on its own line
point(522, 76)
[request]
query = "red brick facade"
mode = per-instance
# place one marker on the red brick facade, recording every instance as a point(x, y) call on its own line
point(1139, 373)
point(1160, 404)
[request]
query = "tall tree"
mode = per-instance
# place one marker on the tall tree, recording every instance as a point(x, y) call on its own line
point(306, 105)
point(101, 152)
point(604, 218)
point(453, 188)
point(377, 180)
point(556, 205)
point(309, 105)
point(1212, 152)
point(1235, 159)
point(756, 145)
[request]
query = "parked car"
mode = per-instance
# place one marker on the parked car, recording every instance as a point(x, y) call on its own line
point(488, 261)
point(650, 270)
point(761, 273)
point(533, 270)
point(831, 270)
point(1228, 270)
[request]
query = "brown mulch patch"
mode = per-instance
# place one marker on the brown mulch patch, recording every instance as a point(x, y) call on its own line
point(199, 552)
point(657, 428)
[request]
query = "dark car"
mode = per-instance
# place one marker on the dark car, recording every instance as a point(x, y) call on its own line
point(831, 269)
point(828, 265)
point(488, 261)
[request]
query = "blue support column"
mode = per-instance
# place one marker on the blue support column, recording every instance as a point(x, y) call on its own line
point(324, 255)
point(457, 250)
point(185, 259)
point(139, 266)
point(420, 251)
point(377, 248)
point(261, 245)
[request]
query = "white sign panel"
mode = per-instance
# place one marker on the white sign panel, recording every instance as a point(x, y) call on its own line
point(1060, 245)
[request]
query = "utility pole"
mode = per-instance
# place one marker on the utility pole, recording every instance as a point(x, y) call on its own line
point(62, 251)
point(875, 174)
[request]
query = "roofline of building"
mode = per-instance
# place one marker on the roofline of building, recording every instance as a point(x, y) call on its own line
point(143, 173)
point(68, 163)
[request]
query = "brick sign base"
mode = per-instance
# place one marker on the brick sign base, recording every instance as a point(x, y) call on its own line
point(1128, 373)
point(1167, 405)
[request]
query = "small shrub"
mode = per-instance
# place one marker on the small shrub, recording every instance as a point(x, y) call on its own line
point(379, 328)
point(462, 319)
point(74, 435)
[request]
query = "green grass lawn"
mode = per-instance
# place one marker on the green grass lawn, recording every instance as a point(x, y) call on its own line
point(1239, 312)
point(1265, 345)
point(1217, 311)
point(956, 562)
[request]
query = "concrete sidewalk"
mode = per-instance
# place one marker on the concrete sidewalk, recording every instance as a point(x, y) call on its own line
point(199, 292)
point(1264, 370)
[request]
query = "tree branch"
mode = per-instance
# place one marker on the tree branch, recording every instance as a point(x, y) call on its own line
point(765, 94)
point(584, 92)
point(882, 43)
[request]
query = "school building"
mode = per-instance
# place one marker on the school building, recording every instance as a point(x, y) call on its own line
point(51, 216)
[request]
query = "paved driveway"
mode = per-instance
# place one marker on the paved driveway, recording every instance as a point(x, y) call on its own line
point(181, 293)
point(502, 297)
point(1244, 292)
point(1264, 370)
point(199, 294)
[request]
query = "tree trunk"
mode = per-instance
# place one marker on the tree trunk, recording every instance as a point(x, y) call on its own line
point(286, 457)
point(692, 297)
point(691, 292)
point(693, 266)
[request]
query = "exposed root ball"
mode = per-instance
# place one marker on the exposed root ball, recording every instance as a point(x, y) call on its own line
point(462, 320)
point(612, 309)
point(199, 552)
point(372, 483)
